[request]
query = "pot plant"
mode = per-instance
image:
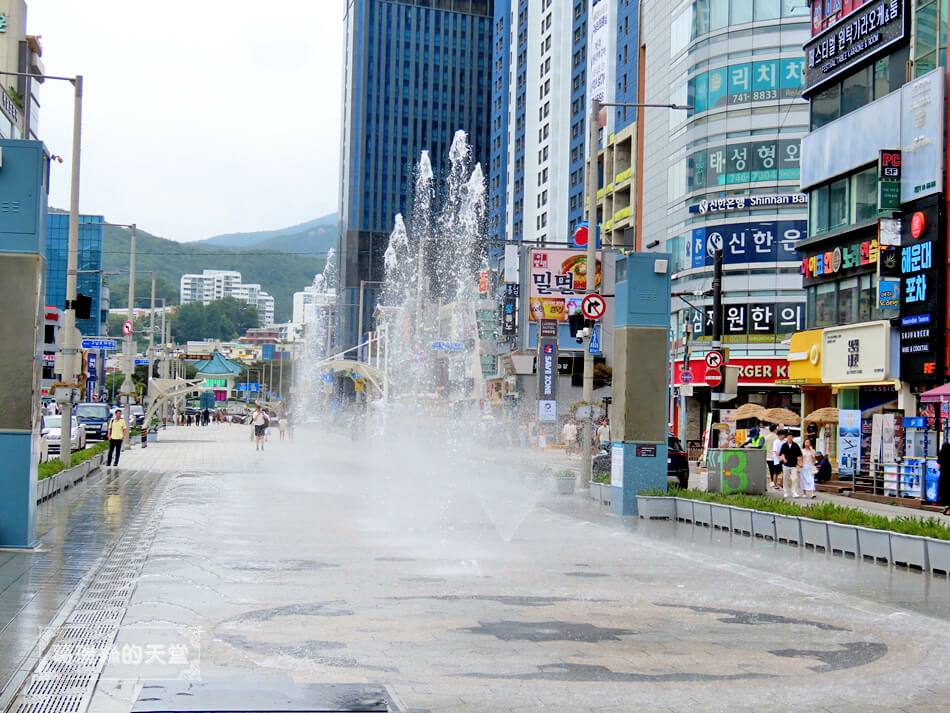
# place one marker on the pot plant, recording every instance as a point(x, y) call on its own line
point(563, 481)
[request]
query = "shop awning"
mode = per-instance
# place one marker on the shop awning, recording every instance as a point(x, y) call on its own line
point(939, 395)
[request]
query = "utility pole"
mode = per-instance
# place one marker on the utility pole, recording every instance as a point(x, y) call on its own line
point(70, 347)
point(151, 343)
point(716, 391)
point(128, 386)
point(592, 224)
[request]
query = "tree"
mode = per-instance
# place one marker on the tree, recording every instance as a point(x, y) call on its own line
point(224, 320)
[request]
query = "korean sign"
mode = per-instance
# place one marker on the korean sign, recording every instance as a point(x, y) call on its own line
point(749, 323)
point(718, 205)
point(862, 35)
point(831, 264)
point(558, 282)
point(920, 331)
point(769, 80)
point(856, 353)
point(747, 242)
point(764, 160)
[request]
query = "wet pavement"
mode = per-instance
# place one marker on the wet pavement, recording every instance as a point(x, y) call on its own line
point(452, 584)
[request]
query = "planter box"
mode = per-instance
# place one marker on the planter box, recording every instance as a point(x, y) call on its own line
point(606, 494)
point(875, 545)
point(702, 513)
point(595, 491)
point(814, 534)
point(909, 551)
point(843, 540)
point(763, 525)
point(742, 521)
point(684, 509)
point(938, 555)
point(564, 485)
point(656, 508)
point(721, 516)
point(788, 529)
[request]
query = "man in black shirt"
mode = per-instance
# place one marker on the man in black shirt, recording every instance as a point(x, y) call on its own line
point(791, 456)
point(824, 469)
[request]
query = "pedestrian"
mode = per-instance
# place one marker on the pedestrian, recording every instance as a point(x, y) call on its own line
point(259, 421)
point(115, 430)
point(755, 439)
point(523, 435)
point(290, 427)
point(603, 433)
point(823, 474)
point(776, 460)
point(808, 469)
point(791, 457)
point(282, 427)
point(569, 435)
point(943, 482)
point(770, 439)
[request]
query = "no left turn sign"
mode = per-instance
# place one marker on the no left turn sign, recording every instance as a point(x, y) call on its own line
point(714, 360)
point(593, 306)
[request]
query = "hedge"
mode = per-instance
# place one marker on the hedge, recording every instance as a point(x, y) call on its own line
point(906, 525)
point(45, 470)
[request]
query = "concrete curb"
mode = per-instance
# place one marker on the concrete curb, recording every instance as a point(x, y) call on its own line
point(48, 487)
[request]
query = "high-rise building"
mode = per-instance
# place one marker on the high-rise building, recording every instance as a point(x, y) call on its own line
point(89, 279)
point(725, 174)
point(217, 284)
point(17, 55)
point(415, 72)
point(536, 177)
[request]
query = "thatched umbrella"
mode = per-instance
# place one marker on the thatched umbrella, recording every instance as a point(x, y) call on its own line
point(821, 416)
point(782, 415)
point(748, 411)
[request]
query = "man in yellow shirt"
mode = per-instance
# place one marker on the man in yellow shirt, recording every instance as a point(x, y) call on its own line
point(116, 432)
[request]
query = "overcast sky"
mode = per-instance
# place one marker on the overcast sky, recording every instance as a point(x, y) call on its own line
point(200, 117)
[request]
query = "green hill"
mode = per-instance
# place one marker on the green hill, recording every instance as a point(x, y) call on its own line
point(261, 239)
point(280, 273)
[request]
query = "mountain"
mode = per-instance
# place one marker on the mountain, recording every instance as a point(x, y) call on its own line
point(327, 224)
point(280, 273)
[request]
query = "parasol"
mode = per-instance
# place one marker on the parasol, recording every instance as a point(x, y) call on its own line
point(748, 411)
point(782, 415)
point(829, 414)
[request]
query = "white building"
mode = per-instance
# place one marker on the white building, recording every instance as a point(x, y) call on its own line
point(311, 297)
point(213, 285)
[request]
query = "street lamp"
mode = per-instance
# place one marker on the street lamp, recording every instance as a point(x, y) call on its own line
point(70, 345)
point(592, 225)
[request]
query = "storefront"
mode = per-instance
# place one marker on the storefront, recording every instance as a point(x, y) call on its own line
point(761, 380)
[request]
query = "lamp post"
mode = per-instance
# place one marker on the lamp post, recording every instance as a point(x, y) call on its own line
point(593, 143)
point(359, 336)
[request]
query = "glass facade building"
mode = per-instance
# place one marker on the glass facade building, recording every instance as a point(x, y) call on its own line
point(415, 72)
point(725, 174)
point(89, 258)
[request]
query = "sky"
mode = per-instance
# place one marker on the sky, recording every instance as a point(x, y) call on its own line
point(200, 117)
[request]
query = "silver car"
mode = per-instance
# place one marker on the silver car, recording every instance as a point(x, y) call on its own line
point(52, 432)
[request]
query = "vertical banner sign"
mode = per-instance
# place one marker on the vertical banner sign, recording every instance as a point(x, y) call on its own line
point(508, 311)
point(547, 378)
point(511, 263)
point(888, 181)
point(920, 296)
point(849, 441)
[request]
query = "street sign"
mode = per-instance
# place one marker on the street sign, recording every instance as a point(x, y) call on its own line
point(714, 360)
point(141, 362)
point(448, 346)
point(593, 306)
point(326, 378)
point(99, 343)
point(418, 355)
point(247, 386)
point(127, 327)
point(547, 410)
point(686, 376)
point(593, 345)
point(713, 377)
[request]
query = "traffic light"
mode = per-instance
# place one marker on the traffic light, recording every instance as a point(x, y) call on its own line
point(83, 306)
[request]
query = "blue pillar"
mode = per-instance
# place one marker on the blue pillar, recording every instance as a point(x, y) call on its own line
point(639, 412)
point(24, 167)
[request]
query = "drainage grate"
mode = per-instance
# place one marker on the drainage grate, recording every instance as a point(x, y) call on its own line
point(65, 677)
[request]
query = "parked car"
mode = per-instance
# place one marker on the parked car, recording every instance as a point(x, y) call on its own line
point(136, 415)
point(677, 462)
point(94, 417)
point(52, 431)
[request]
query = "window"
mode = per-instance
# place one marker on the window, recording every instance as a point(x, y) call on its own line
point(856, 91)
point(741, 11)
point(826, 106)
point(824, 305)
point(864, 190)
point(718, 14)
point(767, 9)
point(848, 298)
point(838, 204)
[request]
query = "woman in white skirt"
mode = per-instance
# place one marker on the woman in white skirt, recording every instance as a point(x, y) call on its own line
point(808, 469)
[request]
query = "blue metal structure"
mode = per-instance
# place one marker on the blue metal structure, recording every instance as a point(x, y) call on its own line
point(23, 188)
point(640, 409)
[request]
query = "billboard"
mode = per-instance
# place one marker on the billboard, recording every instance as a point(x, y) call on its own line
point(770, 242)
point(558, 282)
